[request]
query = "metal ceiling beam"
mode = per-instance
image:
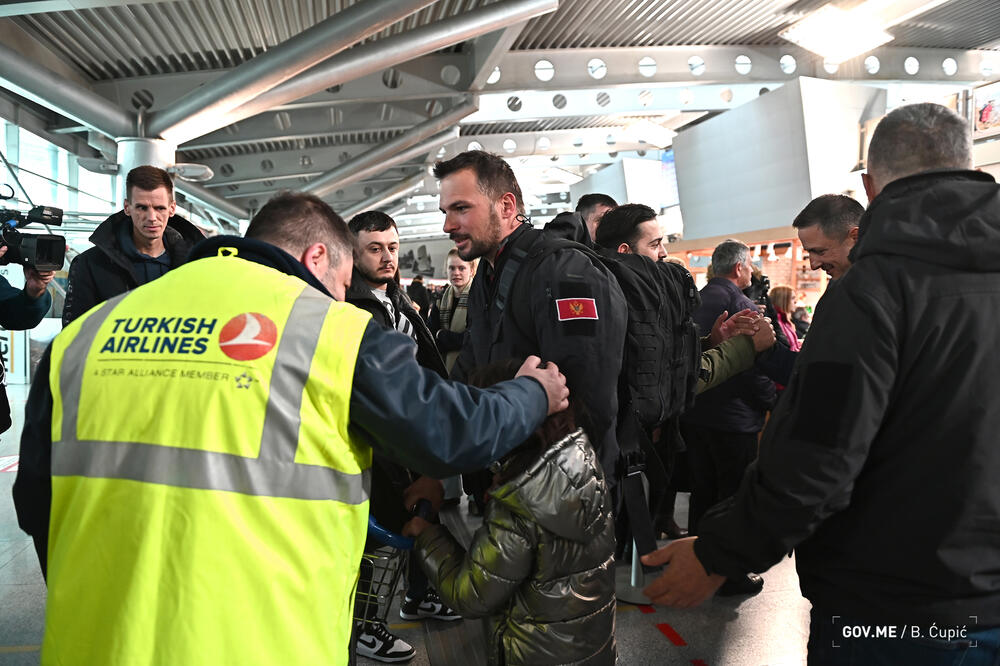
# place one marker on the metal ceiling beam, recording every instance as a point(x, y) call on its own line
point(38, 51)
point(489, 49)
point(28, 79)
point(17, 112)
point(282, 165)
point(341, 197)
point(541, 105)
point(571, 68)
point(390, 152)
point(378, 55)
point(204, 109)
point(315, 122)
point(386, 196)
point(210, 199)
point(378, 160)
point(46, 6)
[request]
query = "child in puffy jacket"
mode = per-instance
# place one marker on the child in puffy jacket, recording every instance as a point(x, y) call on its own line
point(542, 564)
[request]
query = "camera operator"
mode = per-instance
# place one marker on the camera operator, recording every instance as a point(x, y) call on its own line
point(21, 309)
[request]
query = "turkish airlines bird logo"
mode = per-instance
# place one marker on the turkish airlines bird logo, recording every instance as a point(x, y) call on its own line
point(248, 336)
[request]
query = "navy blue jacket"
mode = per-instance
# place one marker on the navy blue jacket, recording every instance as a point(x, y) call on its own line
point(738, 404)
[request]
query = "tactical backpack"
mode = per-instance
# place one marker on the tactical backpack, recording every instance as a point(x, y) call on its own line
point(661, 358)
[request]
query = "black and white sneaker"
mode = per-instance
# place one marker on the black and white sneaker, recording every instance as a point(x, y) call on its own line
point(375, 642)
point(430, 606)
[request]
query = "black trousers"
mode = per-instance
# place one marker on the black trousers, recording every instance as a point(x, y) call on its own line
point(716, 462)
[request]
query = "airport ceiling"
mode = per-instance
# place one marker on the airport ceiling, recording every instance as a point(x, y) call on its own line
point(354, 99)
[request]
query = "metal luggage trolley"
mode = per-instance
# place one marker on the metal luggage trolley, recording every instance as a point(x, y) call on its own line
point(386, 564)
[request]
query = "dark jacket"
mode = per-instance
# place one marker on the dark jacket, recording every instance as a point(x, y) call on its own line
point(418, 294)
point(407, 413)
point(541, 565)
point(587, 351)
point(879, 465)
point(104, 271)
point(18, 311)
point(360, 295)
point(389, 479)
point(739, 404)
point(571, 226)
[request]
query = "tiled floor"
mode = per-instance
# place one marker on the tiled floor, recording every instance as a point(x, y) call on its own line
point(770, 628)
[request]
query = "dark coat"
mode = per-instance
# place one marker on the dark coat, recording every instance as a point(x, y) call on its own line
point(739, 404)
point(571, 226)
point(104, 271)
point(879, 464)
point(541, 565)
point(18, 311)
point(418, 294)
point(587, 351)
point(360, 295)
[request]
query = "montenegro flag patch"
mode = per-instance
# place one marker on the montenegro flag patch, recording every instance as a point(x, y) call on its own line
point(576, 308)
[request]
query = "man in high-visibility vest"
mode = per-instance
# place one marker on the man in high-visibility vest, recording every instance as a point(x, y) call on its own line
point(196, 451)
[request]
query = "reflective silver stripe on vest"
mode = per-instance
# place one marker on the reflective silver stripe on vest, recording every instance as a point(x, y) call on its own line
point(273, 474)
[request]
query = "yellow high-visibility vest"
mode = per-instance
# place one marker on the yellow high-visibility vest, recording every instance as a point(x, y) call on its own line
point(208, 503)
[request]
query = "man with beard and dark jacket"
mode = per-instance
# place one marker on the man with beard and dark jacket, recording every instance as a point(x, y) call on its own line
point(562, 306)
point(134, 246)
point(374, 289)
point(879, 465)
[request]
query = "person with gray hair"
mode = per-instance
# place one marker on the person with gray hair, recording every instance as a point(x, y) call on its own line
point(721, 430)
point(879, 465)
point(828, 230)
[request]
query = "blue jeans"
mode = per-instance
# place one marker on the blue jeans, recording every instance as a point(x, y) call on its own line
point(828, 645)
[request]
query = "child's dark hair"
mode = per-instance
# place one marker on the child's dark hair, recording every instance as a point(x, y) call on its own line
point(553, 428)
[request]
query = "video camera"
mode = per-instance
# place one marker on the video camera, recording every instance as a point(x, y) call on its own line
point(43, 252)
point(758, 290)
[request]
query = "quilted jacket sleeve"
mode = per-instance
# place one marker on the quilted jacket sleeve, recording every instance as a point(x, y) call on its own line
point(479, 582)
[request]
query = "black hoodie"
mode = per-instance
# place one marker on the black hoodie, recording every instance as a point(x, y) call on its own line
point(106, 270)
point(879, 466)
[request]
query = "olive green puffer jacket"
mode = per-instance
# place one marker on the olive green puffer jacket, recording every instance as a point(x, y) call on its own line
point(542, 564)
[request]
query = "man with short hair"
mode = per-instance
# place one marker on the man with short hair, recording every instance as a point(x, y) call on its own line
point(887, 494)
point(721, 429)
point(581, 224)
point(828, 230)
point(562, 307)
point(374, 289)
point(632, 229)
point(132, 247)
point(195, 460)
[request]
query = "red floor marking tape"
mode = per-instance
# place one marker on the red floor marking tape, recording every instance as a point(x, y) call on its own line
point(646, 609)
point(669, 632)
point(698, 662)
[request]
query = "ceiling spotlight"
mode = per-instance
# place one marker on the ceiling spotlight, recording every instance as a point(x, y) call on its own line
point(837, 34)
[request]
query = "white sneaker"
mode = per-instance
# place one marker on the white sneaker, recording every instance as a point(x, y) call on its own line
point(430, 606)
point(375, 642)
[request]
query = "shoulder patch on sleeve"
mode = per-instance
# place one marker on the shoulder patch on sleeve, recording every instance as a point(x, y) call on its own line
point(576, 310)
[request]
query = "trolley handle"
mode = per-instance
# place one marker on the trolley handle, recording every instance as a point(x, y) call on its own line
point(391, 539)
point(387, 538)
